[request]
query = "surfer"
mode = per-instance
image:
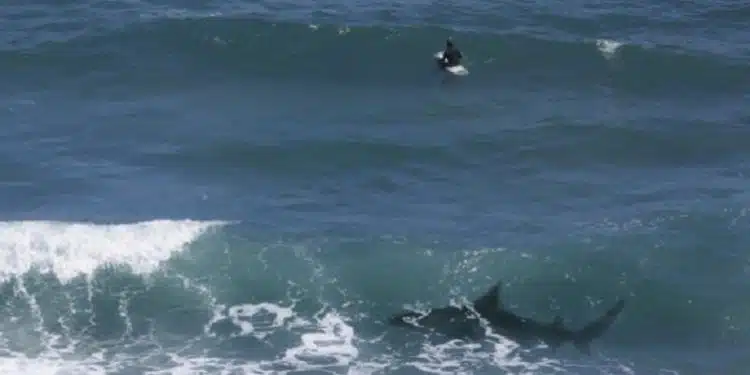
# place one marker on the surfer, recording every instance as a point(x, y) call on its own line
point(451, 56)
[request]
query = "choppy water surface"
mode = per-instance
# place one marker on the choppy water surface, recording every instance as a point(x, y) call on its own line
point(234, 187)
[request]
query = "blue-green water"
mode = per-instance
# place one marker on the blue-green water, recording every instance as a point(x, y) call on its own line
point(233, 187)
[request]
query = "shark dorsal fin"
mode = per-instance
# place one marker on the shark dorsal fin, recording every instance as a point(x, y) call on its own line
point(490, 300)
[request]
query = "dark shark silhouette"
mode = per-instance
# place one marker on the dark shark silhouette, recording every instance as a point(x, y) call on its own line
point(464, 322)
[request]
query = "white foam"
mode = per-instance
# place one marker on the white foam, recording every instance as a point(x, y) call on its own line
point(608, 48)
point(325, 342)
point(243, 316)
point(47, 366)
point(72, 249)
point(334, 341)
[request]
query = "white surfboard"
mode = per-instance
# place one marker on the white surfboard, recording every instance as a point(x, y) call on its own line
point(458, 70)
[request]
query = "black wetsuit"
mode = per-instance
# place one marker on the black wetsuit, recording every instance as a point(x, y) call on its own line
point(451, 57)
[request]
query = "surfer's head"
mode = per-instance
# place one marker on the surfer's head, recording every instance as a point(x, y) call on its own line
point(449, 43)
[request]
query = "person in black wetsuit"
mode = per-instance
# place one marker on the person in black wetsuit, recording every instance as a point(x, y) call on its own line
point(451, 55)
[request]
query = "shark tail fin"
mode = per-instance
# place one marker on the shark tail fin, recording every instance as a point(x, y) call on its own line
point(582, 339)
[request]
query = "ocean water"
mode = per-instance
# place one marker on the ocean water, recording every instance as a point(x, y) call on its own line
point(249, 187)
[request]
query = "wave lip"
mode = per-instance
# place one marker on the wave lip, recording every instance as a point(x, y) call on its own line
point(72, 249)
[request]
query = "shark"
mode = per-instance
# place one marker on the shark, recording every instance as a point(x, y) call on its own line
point(466, 322)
